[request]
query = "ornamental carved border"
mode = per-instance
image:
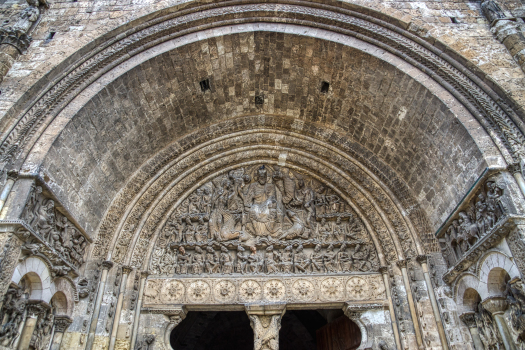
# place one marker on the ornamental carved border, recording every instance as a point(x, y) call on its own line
point(460, 81)
point(265, 289)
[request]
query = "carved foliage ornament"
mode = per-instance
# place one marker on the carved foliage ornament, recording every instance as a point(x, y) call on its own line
point(300, 224)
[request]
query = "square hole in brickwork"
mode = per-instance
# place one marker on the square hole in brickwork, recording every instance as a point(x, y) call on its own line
point(205, 85)
point(325, 86)
point(454, 20)
point(259, 100)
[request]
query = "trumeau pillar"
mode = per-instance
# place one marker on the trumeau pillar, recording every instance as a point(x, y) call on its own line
point(125, 272)
point(265, 320)
point(422, 259)
point(61, 325)
point(497, 306)
point(469, 320)
point(106, 265)
point(402, 264)
point(136, 317)
point(386, 281)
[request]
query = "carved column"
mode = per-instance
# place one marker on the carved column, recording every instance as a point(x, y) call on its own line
point(497, 306)
point(176, 315)
point(422, 260)
point(136, 318)
point(386, 281)
point(125, 272)
point(11, 177)
point(266, 322)
point(106, 265)
point(61, 325)
point(515, 169)
point(403, 266)
point(469, 320)
point(34, 311)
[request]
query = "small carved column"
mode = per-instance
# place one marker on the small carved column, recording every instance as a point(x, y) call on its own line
point(497, 306)
point(61, 325)
point(106, 265)
point(136, 318)
point(402, 264)
point(176, 315)
point(515, 169)
point(11, 178)
point(125, 272)
point(266, 323)
point(386, 281)
point(422, 260)
point(34, 311)
point(469, 320)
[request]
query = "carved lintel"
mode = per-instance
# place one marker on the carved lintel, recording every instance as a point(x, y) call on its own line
point(126, 269)
point(468, 319)
point(62, 323)
point(107, 265)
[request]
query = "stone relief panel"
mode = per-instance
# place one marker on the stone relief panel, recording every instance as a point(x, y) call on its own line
point(263, 220)
point(245, 289)
point(54, 229)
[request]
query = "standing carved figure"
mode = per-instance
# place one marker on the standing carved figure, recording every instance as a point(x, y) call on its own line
point(287, 260)
point(13, 311)
point(345, 262)
point(254, 261)
point(242, 260)
point(516, 299)
point(329, 259)
point(183, 260)
point(197, 262)
point(226, 261)
point(317, 259)
point(360, 258)
point(494, 206)
point(212, 260)
point(146, 343)
point(269, 261)
point(27, 17)
point(301, 261)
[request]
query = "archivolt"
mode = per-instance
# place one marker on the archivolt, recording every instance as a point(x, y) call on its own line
point(492, 110)
point(142, 208)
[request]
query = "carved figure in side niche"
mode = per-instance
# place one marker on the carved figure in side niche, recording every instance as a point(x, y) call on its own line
point(345, 262)
point(201, 233)
point(287, 260)
point(453, 232)
point(491, 11)
point(317, 259)
point(226, 213)
point(79, 246)
point(494, 206)
point(212, 260)
point(325, 230)
point(242, 260)
point(33, 206)
point(271, 265)
point(197, 262)
point(254, 261)
point(167, 262)
point(260, 202)
point(487, 329)
point(226, 261)
point(481, 209)
point(301, 261)
point(183, 260)
point(298, 228)
point(189, 234)
point(516, 299)
point(360, 258)
point(329, 259)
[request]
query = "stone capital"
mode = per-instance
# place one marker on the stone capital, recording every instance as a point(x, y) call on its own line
point(383, 269)
point(402, 263)
point(106, 265)
point(126, 269)
point(422, 259)
point(265, 309)
point(495, 305)
point(468, 319)
point(37, 307)
point(514, 168)
point(62, 323)
point(144, 274)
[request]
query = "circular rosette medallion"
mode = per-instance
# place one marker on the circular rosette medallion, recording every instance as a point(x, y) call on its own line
point(357, 288)
point(250, 291)
point(172, 292)
point(332, 289)
point(378, 288)
point(224, 291)
point(198, 291)
point(274, 290)
point(303, 290)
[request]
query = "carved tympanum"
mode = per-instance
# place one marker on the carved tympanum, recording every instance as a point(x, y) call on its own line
point(54, 228)
point(263, 219)
point(473, 223)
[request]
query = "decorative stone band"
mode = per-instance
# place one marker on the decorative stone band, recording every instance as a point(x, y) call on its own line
point(263, 289)
point(489, 240)
point(57, 263)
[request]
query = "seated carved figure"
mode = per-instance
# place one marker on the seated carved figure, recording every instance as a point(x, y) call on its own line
point(345, 262)
point(301, 261)
point(287, 260)
point(271, 265)
point(254, 261)
point(226, 261)
point(329, 259)
point(317, 260)
point(242, 260)
point(197, 262)
point(183, 260)
point(212, 260)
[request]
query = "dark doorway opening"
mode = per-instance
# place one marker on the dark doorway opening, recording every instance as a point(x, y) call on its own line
point(300, 330)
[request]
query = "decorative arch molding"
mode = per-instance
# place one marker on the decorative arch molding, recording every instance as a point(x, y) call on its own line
point(495, 112)
point(143, 206)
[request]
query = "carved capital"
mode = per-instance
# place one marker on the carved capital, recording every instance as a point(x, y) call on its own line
point(15, 38)
point(422, 259)
point(126, 269)
point(36, 308)
point(514, 168)
point(383, 269)
point(402, 263)
point(144, 274)
point(495, 305)
point(106, 265)
point(62, 323)
point(468, 319)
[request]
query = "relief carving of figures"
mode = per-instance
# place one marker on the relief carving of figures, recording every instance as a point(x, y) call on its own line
point(492, 11)
point(299, 224)
point(12, 314)
point(54, 228)
point(473, 223)
point(146, 343)
point(487, 329)
point(42, 331)
point(516, 299)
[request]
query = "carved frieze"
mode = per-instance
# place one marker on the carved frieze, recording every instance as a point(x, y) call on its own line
point(227, 290)
point(289, 223)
